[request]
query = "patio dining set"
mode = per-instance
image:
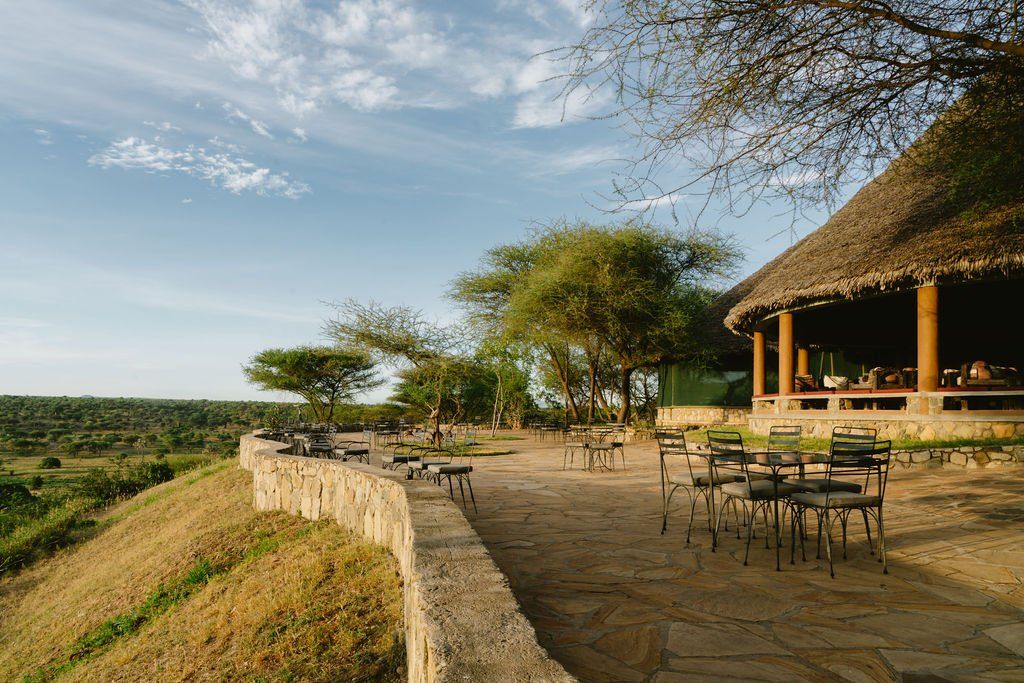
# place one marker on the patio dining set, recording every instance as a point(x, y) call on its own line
point(776, 483)
point(401, 448)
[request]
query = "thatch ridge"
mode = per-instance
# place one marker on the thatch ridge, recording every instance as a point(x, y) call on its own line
point(904, 229)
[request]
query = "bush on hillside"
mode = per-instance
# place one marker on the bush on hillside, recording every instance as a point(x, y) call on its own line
point(14, 495)
point(50, 463)
point(107, 486)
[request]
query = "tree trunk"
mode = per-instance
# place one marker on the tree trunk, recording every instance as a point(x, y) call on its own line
point(592, 372)
point(603, 402)
point(562, 373)
point(495, 414)
point(625, 392)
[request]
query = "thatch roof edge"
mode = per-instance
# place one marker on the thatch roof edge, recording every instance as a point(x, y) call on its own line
point(747, 313)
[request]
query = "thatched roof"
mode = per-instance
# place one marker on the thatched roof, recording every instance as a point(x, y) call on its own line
point(922, 221)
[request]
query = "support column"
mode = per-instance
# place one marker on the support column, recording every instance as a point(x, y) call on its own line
point(928, 338)
point(758, 363)
point(785, 354)
point(803, 360)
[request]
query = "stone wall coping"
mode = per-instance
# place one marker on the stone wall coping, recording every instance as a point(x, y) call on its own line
point(462, 621)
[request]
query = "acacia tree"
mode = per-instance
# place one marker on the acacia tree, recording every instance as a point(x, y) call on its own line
point(636, 288)
point(792, 98)
point(432, 365)
point(486, 293)
point(630, 291)
point(324, 376)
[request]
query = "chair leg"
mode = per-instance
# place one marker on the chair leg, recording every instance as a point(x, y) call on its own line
point(689, 522)
point(792, 537)
point(881, 541)
point(867, 528)
point(828, 543)
point(843, 518)
point(469, 483)
point(750, 531)
point(462, 491)
point(451, 490)
point(817, 555)
point(767, 532)
point(718, 522)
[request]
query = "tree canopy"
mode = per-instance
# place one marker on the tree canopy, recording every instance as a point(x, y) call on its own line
point(789, 99)
point(632, 290)
point(324, 376)
point(433, 367)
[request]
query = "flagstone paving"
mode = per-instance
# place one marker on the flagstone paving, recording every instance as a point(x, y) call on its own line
point(614, 600)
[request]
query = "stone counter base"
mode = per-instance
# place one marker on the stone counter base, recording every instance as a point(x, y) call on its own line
point(462, 622)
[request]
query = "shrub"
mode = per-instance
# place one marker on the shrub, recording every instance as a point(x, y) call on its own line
point(126, 480)
point(37, 482)
point(49, 463)
point(14, 495)
point(52, 530)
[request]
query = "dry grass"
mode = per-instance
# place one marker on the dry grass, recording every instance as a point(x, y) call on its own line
point(287, 600)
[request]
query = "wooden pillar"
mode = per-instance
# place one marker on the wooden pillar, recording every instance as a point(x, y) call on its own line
point(928, 338)
point(803, 360)
point(758, 363)
point(785, 354)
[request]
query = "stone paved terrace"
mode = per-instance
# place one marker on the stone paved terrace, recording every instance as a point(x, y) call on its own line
point(613, 600)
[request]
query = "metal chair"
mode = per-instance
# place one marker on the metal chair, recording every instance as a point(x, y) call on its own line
point(845, 441)
point(871, 461)
point(784, 439)
point(458, 471)
point(576, 441)
point(603, 445)
point(728, 454)
point(401, 454)
point(349, 450)
point(672, 447)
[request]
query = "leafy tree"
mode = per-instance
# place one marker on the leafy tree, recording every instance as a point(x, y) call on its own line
point(433, 368)
point(631, 290)
point(791, 98)
point(323, 376)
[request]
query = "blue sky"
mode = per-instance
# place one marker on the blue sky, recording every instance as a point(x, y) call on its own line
point(187, 182)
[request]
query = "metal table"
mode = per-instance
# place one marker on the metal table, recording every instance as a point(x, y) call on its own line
point(775, 462)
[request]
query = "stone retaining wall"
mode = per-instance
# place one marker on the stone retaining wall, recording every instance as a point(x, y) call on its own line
point(462, 622)
point(894, 425)
point(703, 415)
point(961, 456)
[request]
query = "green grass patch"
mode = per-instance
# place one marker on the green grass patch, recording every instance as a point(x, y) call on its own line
point(162, 599)
point(33, 536)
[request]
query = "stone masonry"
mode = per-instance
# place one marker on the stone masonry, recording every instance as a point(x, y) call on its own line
point(462, 622)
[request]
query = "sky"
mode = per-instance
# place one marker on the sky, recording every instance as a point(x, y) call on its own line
point(188, 182)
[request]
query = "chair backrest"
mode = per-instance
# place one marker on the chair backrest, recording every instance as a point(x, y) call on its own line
point(672, 443)
point(727, 452)
point(866, 460)
point(852, 440)
point(784, 438)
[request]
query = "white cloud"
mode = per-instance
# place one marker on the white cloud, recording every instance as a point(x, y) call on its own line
point(233, 113)
point(644, 204)
point(162, 126)
point(546, 107)
point(300, 134)
point(231, 173)
point(43, 136)
point(570, 161)
point(186, 200)
point(375, 55)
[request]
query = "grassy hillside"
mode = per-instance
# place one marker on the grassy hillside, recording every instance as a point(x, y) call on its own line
point(186, 582)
